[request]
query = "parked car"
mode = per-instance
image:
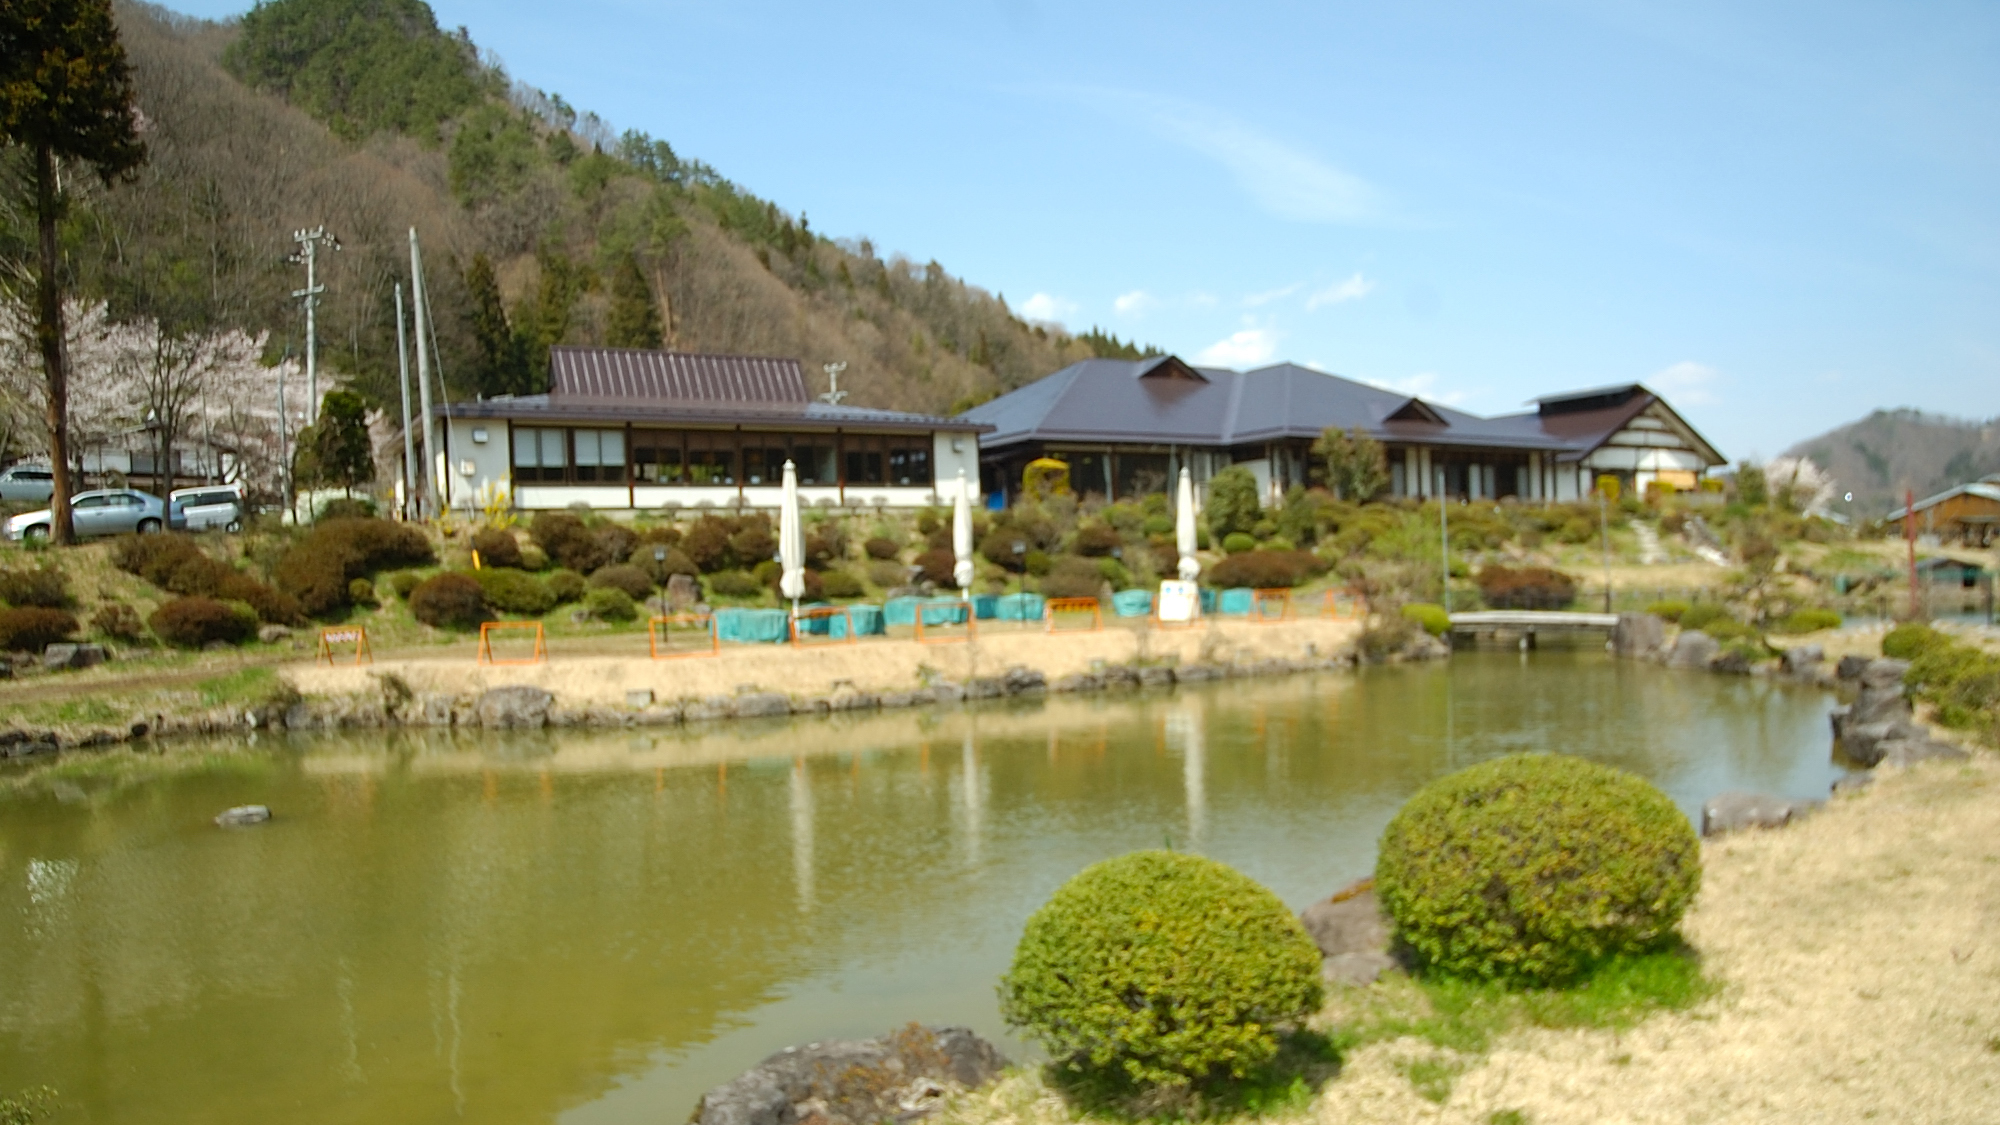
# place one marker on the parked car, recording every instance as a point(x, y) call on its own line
point(27, 482)
point(216, 506)
point(105, 511)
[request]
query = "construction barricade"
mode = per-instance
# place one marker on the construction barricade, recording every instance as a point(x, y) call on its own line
point(1056, 609)
point(1267, 606)
point(356, 635)
point(823, 624)
point(696, 633)
point(488, 629)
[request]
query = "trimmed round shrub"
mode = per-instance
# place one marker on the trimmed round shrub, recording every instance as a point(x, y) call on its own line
point(42, 586)
point(317, 568)
point(1698, 616)
point(1166, 968)
point(634, 581)
point(32, 628)
point(403, 581)
point(360, 591)
point(1809, 621)
point(514, 591)
point(1534, 867)
point(735, 584)
point(193, 622)
point(534, 558)
point(177, 565)
point(841, 584)
point(937, 566)
point(767, 573)
point(1668, 610)
point(567, 585)
point(608, 603)
point(118, 621)
point(1263, 570)
point(878, 547)
point(1237, 542)
point(1729, 629)
point(1911, 640)
point(1073, 577)
point(1037, 563)
point(448, 601)
point(1528, 587)
point(887, 573)
point(1095, 540)
point(1433, 618)
point(1159, 525)
point(497, 547)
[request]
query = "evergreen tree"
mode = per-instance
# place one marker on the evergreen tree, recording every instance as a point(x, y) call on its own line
point(546, 321)
point(336, 450)
point(65, 94)
point(501, 367)
point(634, 321)
point(1356, 466)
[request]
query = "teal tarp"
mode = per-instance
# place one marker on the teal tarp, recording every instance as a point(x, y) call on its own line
point(937, 611)
point(945, 611)
point(900, 611)
point(1238, 602)
point(1132, 603)
point(986, 607)
point(1018, 607)
point(867, 620)
point(752, 626)
point(1208, 599)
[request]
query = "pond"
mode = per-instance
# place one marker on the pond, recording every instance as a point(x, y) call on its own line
point(594, 927)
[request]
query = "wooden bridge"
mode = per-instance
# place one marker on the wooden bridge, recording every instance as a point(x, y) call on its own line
point(1526, 623)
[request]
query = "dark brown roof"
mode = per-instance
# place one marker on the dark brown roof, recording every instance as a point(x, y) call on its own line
point(630, 373)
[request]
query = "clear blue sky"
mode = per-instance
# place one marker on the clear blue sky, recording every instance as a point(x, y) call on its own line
point(1780, 216)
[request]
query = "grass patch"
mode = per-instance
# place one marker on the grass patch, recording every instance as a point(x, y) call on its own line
point(245, 685)
point(90, 710)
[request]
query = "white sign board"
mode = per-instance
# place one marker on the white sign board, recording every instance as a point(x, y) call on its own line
point(1179, 601)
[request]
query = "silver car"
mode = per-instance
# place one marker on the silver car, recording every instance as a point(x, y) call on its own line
point(106, 511)
point(217, 506)
point(33, 483)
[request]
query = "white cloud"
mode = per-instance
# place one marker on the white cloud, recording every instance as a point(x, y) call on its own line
point(1353, 289)
point(1421, 385)
point(1043, 307)
point(1269, 295)
point(1686, 382)
point(1247, 348)
point(1134, 303)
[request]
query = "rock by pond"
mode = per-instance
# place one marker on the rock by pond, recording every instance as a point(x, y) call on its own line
point(1352, 934)
point(515, 706)
point(1693, 650)
point(897, 1077)
point(242, 815)
point(1733, 812)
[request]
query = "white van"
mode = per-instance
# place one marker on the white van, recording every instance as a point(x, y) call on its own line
point(217, 506)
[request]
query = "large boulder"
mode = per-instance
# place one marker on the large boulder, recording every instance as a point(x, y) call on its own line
point(898, 1077)
point(1851, 667)
point(1878, 705)
point(1638, 634)
point(1021, 681)
point(1910, 751)
point(1352, 934)
point(1884, 673)
point(1694, 649)
point(1733, 662)
point(1803, 659)
point(517, 706)
point(1733, 812)
point(65, 655)
point(1862, 743)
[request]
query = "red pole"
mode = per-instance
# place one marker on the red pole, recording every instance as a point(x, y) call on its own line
point(1910, 537)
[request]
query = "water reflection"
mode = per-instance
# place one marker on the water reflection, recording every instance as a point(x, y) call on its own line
point(596, 926)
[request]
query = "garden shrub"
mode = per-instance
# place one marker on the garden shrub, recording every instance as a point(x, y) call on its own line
point(449, 601)
point(347, 508)
point(1114, 572)
point(887, 573)
point(1809, 621)
point(403, 581)
point(1159, 525)
point(1431, 617)
point(496, 547)
point(1384, 637)
point(1263, 569)
point(1095, 540)
point(1165, 968)
point(576, 545)
point(624, 576)
point(1668, 610)
point(1963, 680)
point(1698, 615)
point(936, 567)
point(1037, 563)
point(878, 547)
point(1072, 577)
point(195, 621)
point(174, 563)
point(32, 628)
point(1237, 542)
point(1730, 629)
point(767, 573)
point(513, 591)
point(841, 584)
point(317, 568)
point(735, 584)
point(118, 621)
point(657, 571)
point(755, 542)
point(1533, 868)
point(533, 557)
point(1528, 587)
point(360, 591)
point(609, 603)
point(567, 586)
point(1911, 640)
point(43, 586)
point(707, 544)
point(1279, 543)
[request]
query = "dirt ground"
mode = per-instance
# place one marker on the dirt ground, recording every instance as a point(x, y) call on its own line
point(1859, 954)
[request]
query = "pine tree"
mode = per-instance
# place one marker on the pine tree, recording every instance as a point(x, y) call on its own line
point(65, 93)
point(502, 363)
point(335, 450)
point(633, 321)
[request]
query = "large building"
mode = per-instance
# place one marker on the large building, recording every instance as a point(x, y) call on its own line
point(1127, 427)
point(629, 429)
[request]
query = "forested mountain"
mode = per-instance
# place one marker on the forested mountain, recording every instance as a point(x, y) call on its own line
point(539, 225)
point(1880, 456)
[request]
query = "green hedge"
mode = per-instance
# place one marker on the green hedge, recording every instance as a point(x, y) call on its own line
point(1433, 618)
point(514, 591)
point(1961, 679)
point(1533, 868)
point(1809, 621)
point(1166, 969)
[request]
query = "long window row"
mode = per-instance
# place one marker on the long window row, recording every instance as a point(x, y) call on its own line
point(711, 458)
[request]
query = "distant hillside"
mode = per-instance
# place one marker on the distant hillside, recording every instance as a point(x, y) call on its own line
point(540, 225)
point(1892, 450)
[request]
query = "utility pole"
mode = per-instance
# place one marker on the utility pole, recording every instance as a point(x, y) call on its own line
point(284, 443)
point(423, 377)
point(1604, 528)
point(308, 253)
point(403, 382)
point(833, 393)
point(1910, 537)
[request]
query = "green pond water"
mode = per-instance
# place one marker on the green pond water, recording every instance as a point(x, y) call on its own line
point(594, 927)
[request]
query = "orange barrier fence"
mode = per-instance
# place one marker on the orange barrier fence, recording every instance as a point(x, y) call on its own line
point(1262, 603)
point(660, 635)
point(961, 611)
point(1344, 604)
point(831, 635)
point(488, 628)
point(357, 635)
point(1074, 607)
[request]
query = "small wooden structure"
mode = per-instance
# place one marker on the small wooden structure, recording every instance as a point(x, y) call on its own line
point(539, 655)
point(660, 635)
point(356, 635)
point(1969, 513)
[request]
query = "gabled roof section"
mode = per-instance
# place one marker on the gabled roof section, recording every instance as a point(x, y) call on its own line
point(1416, 410)
point(1982, 488)
point(1168, 367)
point(1594, 398)
point(633, 374)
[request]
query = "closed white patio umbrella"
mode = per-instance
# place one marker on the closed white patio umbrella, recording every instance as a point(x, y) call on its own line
point(961, 538)
point(1184, 533)
point(791, 542)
